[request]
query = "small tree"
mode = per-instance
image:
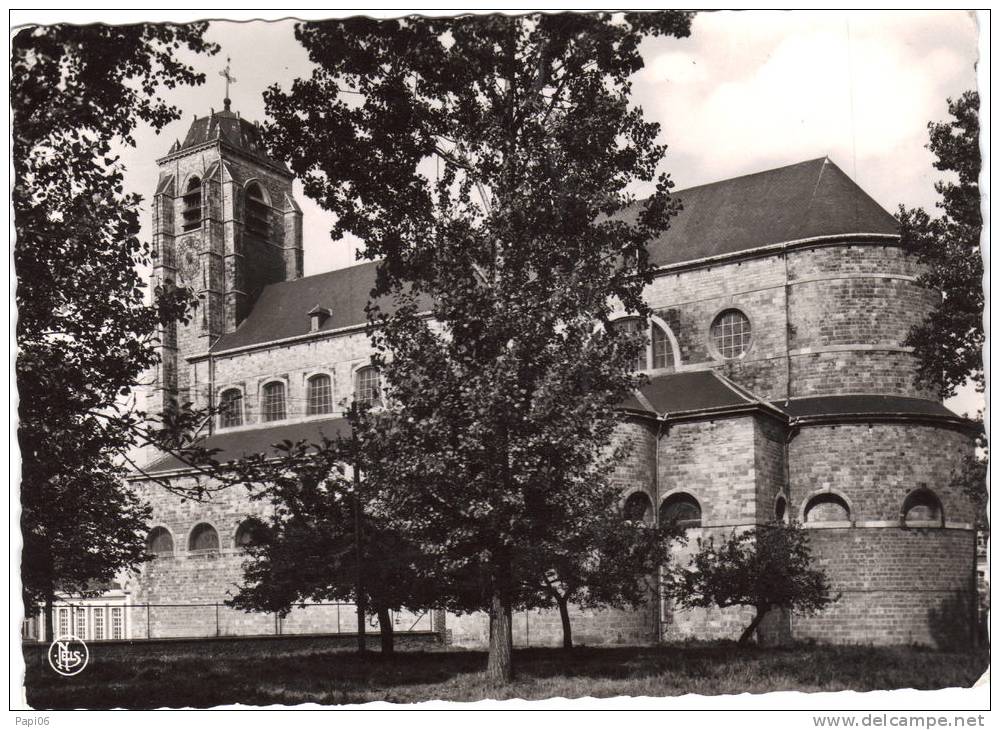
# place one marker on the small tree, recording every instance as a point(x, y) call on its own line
point(764, 567)
point(321, 540)
point(609, 563)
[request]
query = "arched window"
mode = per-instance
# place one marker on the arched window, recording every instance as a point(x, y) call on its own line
point(781, 509)
point(272, 405)
point(681, 510)
point(827, 508)
point(257, 209)
point(922, 508)
point(247, 532)
point(192, 205)
point(366, 386)
point(731, 334)
point(319, 395)
point(655, 357)
point(160, 542)
point(638, 508)
point(230, 408)
point(203, 538)
point(661, 346)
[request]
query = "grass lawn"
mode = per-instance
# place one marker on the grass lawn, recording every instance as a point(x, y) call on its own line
point(247, 673)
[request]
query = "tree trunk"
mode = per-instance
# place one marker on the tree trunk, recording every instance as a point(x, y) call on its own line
point(360, 593)
point(385, 627)
point(748, 631)
point(50, 625)
point(567, 629)
point(499, 670)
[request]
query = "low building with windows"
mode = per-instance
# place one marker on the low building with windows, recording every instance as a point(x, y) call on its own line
point(779, 389)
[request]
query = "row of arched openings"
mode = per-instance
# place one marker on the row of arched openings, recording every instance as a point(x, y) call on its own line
point(921, 508)
point(202, 539)
point(319, 397)
point(256, 207)
point(681, 509)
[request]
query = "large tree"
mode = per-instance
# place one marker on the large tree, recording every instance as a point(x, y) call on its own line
point(950, 342)
point(85, 326)
point(490, 163)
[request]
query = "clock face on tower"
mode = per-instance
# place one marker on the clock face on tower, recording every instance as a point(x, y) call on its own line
point(189, 264)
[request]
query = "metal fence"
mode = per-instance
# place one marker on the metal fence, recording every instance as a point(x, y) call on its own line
point(96, 621)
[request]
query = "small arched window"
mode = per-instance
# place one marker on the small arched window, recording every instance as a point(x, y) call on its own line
point(781, 509)
point(649, 357)
point(203, 538)
point(160, 542)
point(272, 406)
point(319, 395)
point(827, 508)
point(922, 508)
point(661, 346)
point(231, 408)
point(248, 531)
point(257, 209)
point(192, 205)
point(366, 386)
point(681, 510)
point(731, 334)
point(638, 508)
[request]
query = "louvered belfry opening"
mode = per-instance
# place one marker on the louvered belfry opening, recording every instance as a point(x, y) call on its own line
point(257, 210)
point(192, 205)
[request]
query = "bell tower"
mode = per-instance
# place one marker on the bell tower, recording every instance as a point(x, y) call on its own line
point(224, 225)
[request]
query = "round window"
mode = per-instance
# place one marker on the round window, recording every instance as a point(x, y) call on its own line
point(731, 333)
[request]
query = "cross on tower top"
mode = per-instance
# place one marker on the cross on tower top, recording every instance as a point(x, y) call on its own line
point(230, 79)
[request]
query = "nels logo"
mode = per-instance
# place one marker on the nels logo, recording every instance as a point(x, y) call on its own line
point(68, 655)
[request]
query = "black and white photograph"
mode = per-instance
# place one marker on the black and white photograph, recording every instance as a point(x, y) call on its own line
point(501, 360)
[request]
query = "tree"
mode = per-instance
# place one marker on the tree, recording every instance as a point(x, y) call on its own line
point(321, 541)
point(764, 567)
point(609, 562)
point(84, 329)
point(488, 162)
point(949, 344)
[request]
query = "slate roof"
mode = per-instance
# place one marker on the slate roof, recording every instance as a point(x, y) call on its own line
point(839, 405)
point(805, 200)
point(244, 442)
point(230, 128)
point(688, 392)
point(282, 310)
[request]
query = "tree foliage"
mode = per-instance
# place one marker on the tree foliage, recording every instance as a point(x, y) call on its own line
point(764, 567)
point(490, 163)
point(84, 328)
point(320, 540)
point(950, 342)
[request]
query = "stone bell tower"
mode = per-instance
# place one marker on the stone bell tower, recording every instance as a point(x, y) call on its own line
point(225, 225)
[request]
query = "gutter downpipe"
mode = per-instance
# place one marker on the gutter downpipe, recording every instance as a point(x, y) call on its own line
point(661, 422)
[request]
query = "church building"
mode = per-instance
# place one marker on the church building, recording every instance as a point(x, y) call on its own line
point(779, 389)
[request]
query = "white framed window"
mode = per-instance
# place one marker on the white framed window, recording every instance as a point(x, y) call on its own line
point(63, 621)
point(230, 408)
point(117, 622)
point(272, 401)
point(319, 394)
point(99, 619)
point(731, 334)
point(80, 626)
point(367, 389)
point(657, 352)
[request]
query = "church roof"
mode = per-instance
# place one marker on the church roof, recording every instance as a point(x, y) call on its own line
point(282, 310)
point(802, 201)
point(698, 391)
point(864, 404)
point(238, 443)
point(229, 128)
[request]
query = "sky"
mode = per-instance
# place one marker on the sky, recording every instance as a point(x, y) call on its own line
point(747, 91)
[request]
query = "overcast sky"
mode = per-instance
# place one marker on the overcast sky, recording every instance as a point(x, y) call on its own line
point(747, 91)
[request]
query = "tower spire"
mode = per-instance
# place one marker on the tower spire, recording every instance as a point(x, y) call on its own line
point(230, 79)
